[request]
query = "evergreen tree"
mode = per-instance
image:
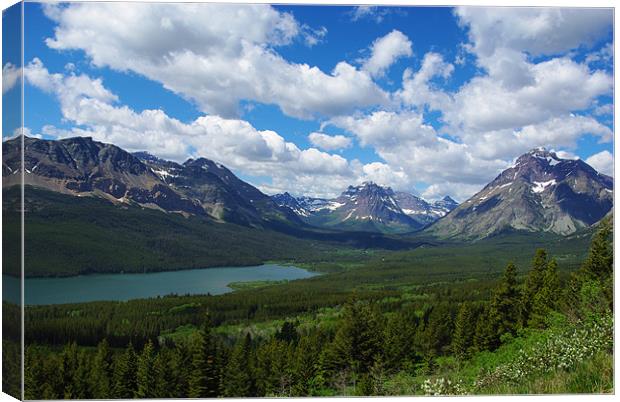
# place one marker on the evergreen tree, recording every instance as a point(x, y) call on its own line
point(398, 342)
point(485, 337)
point(145, 378)
point(358, 340)
point(204, 377)
point(599, 263)
point(545, 299)
point(101, 372)
point(288, 332)
point(162, 387)
point(504, 310)
point(305, 365)
point(464, 331)
point(124, 376)
point(237, 378)
point(532, 284)
point(68, 367)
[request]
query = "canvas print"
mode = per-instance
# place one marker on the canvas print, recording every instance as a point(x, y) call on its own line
point(207, 200)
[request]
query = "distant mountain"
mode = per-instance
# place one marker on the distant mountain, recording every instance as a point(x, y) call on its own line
point(541, 193)
point(84, 167)
point(368, 207)
point(423, 211)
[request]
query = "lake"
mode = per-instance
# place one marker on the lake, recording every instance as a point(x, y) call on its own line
point(87, 288)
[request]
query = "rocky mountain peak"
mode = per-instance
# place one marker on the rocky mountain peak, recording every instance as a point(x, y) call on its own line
point(542, 192)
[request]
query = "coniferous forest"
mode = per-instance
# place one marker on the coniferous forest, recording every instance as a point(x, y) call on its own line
point(530, 329)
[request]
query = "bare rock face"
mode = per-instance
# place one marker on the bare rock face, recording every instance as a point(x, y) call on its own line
point(83, 167)
point(541, 193)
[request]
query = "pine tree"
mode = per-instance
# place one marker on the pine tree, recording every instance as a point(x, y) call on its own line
point(545, 299)
point(145, 378)
point(101, 372)
point(464, 331)
point(485, 337)
point(504, 310)
point(532, 285)
point(599, 263)
point(68, 367)
point(204, 376)
point(161, 386)
point(237, 379)
point(358, 340)
point(124, 376)
point(398, 342)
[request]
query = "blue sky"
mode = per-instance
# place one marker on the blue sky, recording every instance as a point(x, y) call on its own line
point(310, 99)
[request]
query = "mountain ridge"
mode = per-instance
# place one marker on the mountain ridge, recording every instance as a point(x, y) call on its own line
point(541, 192)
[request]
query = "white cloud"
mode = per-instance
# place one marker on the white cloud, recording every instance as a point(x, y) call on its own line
point(213, 54)
point(85, 102)
point(458, 191)
point(408, 144)
point(558, 86)
point(384, 175)
point(10, 77)
point(535, 30)
point(329, 142)
point(604, 55)
point(560, 132)
point(604, 110)
point(603, 162)
point(418, 91)
point(385, 51)
point(374, 13)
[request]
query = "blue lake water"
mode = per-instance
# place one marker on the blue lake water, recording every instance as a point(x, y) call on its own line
point(135, 286)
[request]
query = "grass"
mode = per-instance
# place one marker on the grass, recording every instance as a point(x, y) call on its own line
point(592, 376)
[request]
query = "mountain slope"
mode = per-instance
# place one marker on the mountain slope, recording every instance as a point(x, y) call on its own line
point(83, 167)
point(542, 192)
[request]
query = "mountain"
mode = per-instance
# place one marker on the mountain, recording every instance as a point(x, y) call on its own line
point(540, 193)
point(368, 207)
point(83, 167)
point(288, 201)
point(422, 211)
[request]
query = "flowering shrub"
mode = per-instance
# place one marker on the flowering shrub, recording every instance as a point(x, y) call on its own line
point(562, 350)
point(442, 386)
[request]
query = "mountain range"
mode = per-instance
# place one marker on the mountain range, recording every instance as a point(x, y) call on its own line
point(369, 207)
point(540, 193)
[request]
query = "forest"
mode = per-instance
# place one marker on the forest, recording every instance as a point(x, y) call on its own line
point(541, 325)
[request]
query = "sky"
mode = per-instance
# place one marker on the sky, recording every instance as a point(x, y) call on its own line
point(310, 99)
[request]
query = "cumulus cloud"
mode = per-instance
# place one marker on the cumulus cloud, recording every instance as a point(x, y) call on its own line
point(10, 77)
point(408, 144)
point(417, 88)
point(603, 162)
point(535, 30)
point(85, 102)
point(385, 51)
point(213, 54)
point(329, 142)
point(558, 86)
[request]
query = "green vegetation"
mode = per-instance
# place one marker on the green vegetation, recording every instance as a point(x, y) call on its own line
point(390, 327)
point(69, 235)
